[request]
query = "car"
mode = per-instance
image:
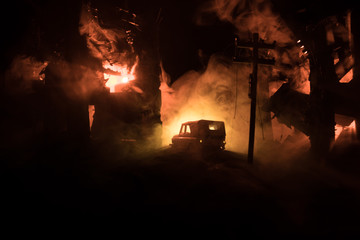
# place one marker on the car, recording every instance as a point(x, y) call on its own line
point(200, 135)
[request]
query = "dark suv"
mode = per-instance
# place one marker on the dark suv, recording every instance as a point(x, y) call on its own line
point(201, 134)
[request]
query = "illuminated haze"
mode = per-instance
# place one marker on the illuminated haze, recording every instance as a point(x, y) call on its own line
point(221, 91)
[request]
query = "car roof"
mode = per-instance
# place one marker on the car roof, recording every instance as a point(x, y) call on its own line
point(202, 121)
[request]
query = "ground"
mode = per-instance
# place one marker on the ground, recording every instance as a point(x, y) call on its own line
point(93, 189)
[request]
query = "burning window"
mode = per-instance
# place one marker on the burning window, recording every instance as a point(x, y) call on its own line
point(117, 75)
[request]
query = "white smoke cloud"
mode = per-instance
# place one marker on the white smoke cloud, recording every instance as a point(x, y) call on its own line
point(210, 95)
point(251, 16)
point(111, 45)
point(221, 92)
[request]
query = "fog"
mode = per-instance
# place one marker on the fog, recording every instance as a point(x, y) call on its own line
point(220, 92)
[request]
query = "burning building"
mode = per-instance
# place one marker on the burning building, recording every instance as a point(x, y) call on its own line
point(83, 82)
point(329, 40)
point(80, 56)
point(121, 71)
point(314, 60)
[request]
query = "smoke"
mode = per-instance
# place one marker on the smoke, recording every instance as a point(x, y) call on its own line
point(127, 119)
point(221, 91)
point(251, 16)
point(257, 16)
point(76, 80)
point(209, 95)
point(112, 45)
point(22, 72)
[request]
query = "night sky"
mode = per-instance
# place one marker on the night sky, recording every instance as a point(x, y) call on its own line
point(48, 183)
point(36, 28)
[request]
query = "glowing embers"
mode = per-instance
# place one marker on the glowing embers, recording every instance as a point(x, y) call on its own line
point(91, 109)
point(117, 76)
point(345, 128)
point(338, 130)
point(347, 77)
point(352, 127)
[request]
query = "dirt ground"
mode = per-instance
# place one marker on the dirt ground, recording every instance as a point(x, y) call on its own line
point(70, 189)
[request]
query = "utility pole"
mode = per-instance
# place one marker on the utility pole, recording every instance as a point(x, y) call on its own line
point(255, 45)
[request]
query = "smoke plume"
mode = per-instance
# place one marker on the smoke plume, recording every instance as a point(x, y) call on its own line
point(112, 45)
point(221, 91)
point(210, 95)
point(23, 70)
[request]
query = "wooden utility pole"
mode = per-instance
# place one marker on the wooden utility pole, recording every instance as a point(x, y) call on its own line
point(255, 45)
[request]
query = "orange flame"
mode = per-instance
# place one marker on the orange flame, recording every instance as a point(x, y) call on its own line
point(103, 44)
point(352, 126)
point(338, 130)
point(349, 130)
point(118, 75)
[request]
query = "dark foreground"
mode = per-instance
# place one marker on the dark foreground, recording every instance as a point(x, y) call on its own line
point(93, 189)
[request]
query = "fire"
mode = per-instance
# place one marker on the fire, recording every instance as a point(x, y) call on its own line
point(338, 130)
point(91, 109)
point(113, 46)
point(347, 77)
point(349, 130)
point(117, 75)
point(352, 126)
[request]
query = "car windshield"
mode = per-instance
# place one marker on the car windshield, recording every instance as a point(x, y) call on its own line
point(185, 129)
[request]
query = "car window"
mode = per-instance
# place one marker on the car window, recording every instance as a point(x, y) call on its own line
point(187, 130)
point(215, 126)
point(216, 129)
point(182, 129)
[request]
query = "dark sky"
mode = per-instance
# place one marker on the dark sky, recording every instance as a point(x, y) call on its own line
point(37, 27)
